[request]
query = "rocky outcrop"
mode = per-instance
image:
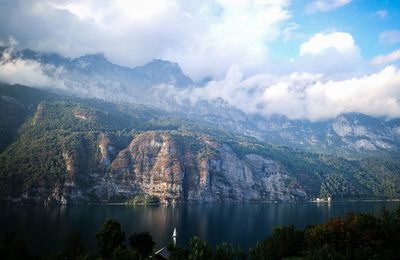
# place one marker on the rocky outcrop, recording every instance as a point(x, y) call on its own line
point(361, 136)
point(38, 114)
point(106, 149)
point(173, 169)
point(149, 165)
point(347, 135)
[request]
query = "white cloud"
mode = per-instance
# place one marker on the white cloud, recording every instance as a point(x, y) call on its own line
point(375, 94)
point(325, 5)
point(305, 95)
point(24, 72)
point(239, 34)
point(289, 32)
point(204, 37)
point(319, 43)
point(389, 37)
point(389, 58)
point(335, 54)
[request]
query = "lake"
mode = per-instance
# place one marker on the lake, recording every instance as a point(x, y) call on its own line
point(46, 228)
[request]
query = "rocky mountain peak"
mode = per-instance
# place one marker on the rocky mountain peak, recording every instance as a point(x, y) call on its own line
point(166, 72)
point(93, 58)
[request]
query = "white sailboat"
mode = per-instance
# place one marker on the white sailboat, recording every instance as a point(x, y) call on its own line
point(174, 235)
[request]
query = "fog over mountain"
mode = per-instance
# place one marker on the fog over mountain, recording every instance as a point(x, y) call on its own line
point(236, 44)
point(301, 110)
point(304, 95)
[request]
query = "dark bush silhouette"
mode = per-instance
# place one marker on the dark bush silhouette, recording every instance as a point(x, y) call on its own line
point(353, 237)
point(176, 252)
point(284, 242)
point(122, 253)
point(142, 243)
point(14, 248)
point(199, 249)
point(226, 251)
point(74, 249)
point(109, 237)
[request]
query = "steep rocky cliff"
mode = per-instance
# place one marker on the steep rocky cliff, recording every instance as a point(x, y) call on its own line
point(64, 150)
point(171, 168)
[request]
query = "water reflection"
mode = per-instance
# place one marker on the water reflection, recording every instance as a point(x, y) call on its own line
point(240, 223)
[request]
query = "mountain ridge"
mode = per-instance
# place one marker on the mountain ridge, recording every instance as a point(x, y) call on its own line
point(152, 85)
point(70, 150)
point(98, 63)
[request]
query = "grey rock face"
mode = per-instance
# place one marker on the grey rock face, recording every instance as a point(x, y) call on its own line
point(346, 135)
point(155, 164)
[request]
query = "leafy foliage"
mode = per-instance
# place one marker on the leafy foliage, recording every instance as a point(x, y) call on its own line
point(110, 237)
point(73, 249)
point(142, 243)
point(14, 248)
point(177, 252)
point(226, 251)
point(284, 242)
point(199, 249)
point(356, 236)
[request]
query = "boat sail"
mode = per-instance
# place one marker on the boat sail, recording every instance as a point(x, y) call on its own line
point(174, 235)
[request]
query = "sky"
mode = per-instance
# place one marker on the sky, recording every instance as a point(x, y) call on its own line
point(318, 57)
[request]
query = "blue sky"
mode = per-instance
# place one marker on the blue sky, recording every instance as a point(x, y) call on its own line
point(312, 59)
point(365, 20)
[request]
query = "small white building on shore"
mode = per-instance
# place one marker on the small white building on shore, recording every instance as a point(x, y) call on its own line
point(321, 200)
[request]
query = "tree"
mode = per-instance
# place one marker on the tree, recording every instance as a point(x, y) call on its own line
point(227, 251)
point(109, 237)
point(121, 253)
point(14, 248)
point(284, 242)
point(74, 249)
point(177, 252)
point(142, 242)
point(200, 250)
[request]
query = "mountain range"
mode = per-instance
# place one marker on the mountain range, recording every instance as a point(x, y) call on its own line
point(100, 132)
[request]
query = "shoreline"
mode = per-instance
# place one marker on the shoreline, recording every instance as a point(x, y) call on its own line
point(200, 203)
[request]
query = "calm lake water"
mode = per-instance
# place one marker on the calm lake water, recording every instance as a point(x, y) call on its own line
point(46, 228)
